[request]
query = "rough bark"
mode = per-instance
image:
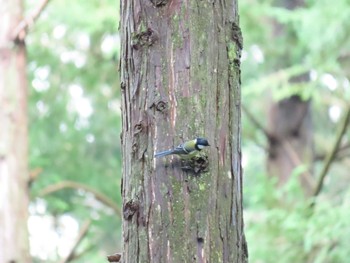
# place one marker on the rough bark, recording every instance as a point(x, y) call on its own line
point(13, 139)
point(180, 72)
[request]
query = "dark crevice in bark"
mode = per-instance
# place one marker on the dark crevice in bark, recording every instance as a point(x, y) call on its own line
point(159, 3)
point(184, 213)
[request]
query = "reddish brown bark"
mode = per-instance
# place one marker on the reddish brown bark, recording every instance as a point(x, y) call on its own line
point(180, 79)
point(13, 139)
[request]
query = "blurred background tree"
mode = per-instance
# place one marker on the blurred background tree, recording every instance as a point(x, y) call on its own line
point(296, 57)
point(14, 177)
point(74, 105)
point(74, 126)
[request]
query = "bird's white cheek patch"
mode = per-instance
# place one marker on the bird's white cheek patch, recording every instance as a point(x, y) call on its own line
point(200, 146)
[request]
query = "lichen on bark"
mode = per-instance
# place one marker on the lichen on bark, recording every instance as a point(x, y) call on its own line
point(183, 216)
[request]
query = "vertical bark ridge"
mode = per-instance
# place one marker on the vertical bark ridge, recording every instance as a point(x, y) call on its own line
point(183, 88)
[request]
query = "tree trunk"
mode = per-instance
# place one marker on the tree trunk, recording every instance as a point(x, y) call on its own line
point(14, 196)
point(180, 72)
point(291, 141)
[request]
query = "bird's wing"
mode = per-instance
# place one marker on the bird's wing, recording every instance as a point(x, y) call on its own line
point(180, 150)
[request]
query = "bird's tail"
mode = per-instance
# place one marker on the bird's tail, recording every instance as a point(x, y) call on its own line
point(164, 153)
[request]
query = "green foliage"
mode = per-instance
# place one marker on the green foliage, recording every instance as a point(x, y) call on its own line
point(280, 226)
point(280, 44)
point(75, 118)
point(75, 122)
point(314, 37)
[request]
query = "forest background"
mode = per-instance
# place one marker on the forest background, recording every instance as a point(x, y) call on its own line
point(75, 125)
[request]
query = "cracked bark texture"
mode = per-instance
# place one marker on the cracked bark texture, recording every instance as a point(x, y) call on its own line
point(180, 73)
point(14, 197)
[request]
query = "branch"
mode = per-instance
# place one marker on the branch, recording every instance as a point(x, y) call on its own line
point(82, 253)
point(331, 155)
point(292, 155)
point(341, 153)
point(20, 31)
point(275, 79)
point(82, 234)
point(296, 161)
point(74, 185)
point(256, 122)
point(34, 174)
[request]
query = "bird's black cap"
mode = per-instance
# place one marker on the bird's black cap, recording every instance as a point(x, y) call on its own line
point(202, 141)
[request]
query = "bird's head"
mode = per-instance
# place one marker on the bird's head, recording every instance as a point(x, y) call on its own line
point(201, 143)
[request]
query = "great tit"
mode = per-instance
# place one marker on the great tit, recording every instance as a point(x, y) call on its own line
point(186, 148)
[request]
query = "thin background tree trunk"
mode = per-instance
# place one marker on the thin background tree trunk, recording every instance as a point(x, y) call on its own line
point(180, 75)
point(13, 139)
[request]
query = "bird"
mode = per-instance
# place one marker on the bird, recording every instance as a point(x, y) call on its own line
point(186, 148)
